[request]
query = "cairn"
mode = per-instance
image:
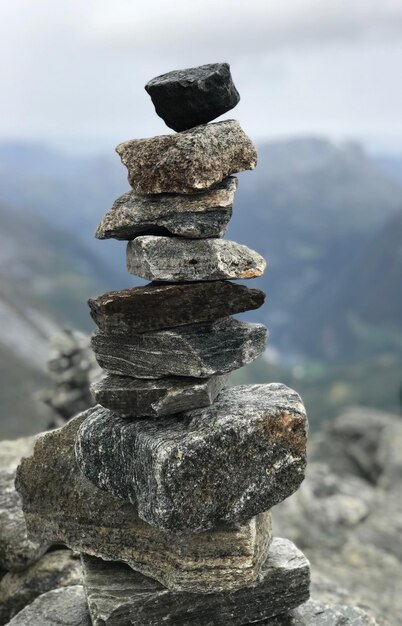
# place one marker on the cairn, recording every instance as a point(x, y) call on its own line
point(166, 486)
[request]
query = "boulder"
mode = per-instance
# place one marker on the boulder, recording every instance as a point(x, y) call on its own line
point(173, 259)
point(192, 471)
point(66, 606)
point(198, 351)
point(193, 160)
point(200, 215)
point(158, 306)
point(198, 95)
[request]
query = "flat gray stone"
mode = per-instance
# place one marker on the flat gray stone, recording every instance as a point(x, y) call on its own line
point(118, 596)
point(55, 569)
point(190, 161)
point(156, 306)
point(179, 260)
point(314, 613)
point(136, 397)
point(62, 506)
point(199, 351)
point(192, 471)
point(200, 215)
point(198, 95)
point(17, 551)
point(66, 606)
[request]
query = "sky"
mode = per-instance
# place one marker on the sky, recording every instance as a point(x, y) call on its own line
point(72, 72)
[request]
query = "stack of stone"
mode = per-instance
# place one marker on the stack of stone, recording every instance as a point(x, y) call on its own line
point(166, 485)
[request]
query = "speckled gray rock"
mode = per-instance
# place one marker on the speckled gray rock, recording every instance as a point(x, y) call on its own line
point(200, 215)
point(136, 397)
point(314, 613)
point(66, 606)
point(62, 506)
point(189, 472)
point(157, 306)
point(55, 569)
point(199, 351)
point(16, 550)
point(198, 95)
point(118, 596)
point(180, 260)
point(190, 161)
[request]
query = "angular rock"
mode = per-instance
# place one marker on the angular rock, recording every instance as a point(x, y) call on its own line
point(119, 596)
point(198, 95)
point(66, 606)
point(155, 306)
point(199, 351)
point(55, 569)
point(313, 613)
point(197, 216)
point(135, 397)
point(62, 506)
point(180, 260)
point(16, 550)
point(190, 161)
point(190, 472)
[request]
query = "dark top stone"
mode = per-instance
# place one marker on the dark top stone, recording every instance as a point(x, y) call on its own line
point(198, 95)
point(154, 306)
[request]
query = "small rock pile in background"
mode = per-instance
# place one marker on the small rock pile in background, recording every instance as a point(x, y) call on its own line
point(166, 486)
point(72, 368)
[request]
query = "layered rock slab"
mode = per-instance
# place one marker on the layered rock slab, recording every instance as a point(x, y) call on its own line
point(179, 260)
point(134, 397)
point(62, 607)
point(200, 215)
point(199, 351)
point(156, 306)
point(192, 471)
point(118, 596)
point(198, 95)
point(62, 506)
point(190, 161)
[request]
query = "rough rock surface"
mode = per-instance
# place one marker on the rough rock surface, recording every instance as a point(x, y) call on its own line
point(180, 260)
point(315, 613)
point(118, 596)
point(16, 550)
point(189, 472)
point(156, 306)
point(200, 350)
point(136, 397)
point(55, 569)
point(198, 95)
point(62, 506)
point(190, 161)
point(201, 215)
point(66, 606)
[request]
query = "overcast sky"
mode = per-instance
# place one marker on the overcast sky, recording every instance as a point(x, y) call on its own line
point(72, 71)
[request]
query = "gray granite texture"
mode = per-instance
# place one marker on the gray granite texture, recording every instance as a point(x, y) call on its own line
point(199, 350)
point(66, 606)
point(55, 569)
point(199, 215)
point(315, 613)
point(193, 96)
point(174, 259)
point(193, 160)
point(192, 471)
point(118, 596)
point(17, 551)
point(62, 506)
point(138, 397)
point(158, 306)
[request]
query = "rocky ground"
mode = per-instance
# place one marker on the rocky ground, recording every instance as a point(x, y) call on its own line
point(346, 517)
